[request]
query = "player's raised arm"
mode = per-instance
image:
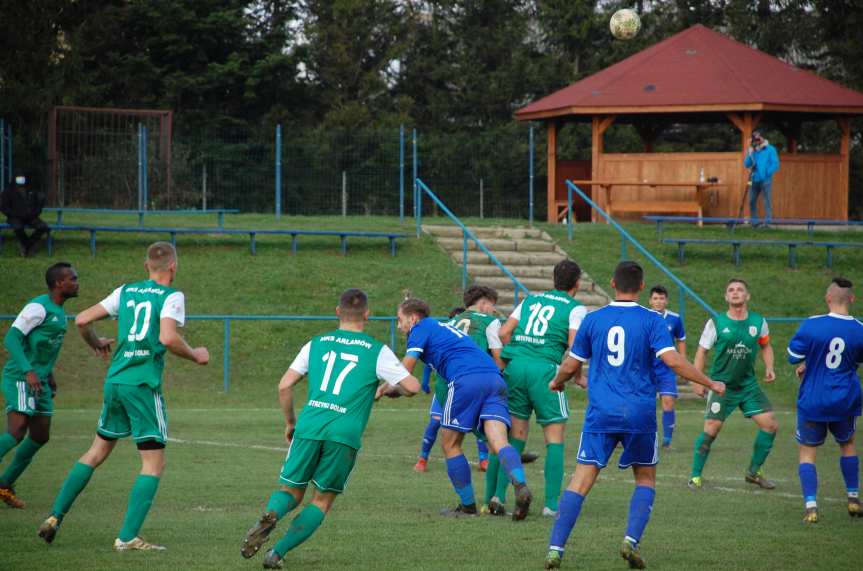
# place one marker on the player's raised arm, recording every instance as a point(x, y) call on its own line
point(687, 370)
point(397, 380)
point(84, 322)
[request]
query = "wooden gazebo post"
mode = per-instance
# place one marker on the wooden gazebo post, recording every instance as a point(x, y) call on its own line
point(599, 125)
point(551, 162)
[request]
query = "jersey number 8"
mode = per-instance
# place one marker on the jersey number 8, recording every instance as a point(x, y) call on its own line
point(834, 355)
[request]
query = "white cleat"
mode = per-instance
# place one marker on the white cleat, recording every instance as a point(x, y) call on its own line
point(136, 544)
point(548, 512)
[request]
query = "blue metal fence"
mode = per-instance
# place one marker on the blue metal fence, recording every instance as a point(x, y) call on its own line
point(5, 154)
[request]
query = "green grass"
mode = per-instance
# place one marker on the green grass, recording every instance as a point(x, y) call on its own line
point(217, 480)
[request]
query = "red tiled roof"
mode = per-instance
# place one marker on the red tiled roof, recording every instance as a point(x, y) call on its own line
point(697, 67)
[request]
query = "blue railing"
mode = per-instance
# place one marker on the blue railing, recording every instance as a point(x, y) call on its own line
point(228, 319)
point(518, 287)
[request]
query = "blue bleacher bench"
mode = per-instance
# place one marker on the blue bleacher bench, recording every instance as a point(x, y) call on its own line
point(252, 233)
point(732, 223)
point(792, 246)
point(219, 212)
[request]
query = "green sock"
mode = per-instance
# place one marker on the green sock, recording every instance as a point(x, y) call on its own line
point(7, 443)
point(281, 502)
point(19, 463)
point(140, 500)
point(763, 445)
point(502, 478)
point(75, 482)
point(302, 528)
point(553, 474)
point(491, 477)
point(702, 451)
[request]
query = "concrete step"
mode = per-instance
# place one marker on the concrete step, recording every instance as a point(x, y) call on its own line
point(452, 231)
point(500, 283)
point(491, 270)
point(510, 258)
point(493, 244)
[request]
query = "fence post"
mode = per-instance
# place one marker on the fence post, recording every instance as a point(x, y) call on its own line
point(481, 200)
point(681, 309)
point(9, 154)
point(402, 173)
point(530, 176)
point(204, 186)
point(226, 364)
point(393, 334)
point(146, 176)
point(569, 213)
point(417, 195)
point(2, 154)
point(278, 171)
point(623, 254)
point(464, 262)
point(344, 194)
point(140, 168)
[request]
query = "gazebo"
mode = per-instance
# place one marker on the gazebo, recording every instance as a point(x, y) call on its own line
point(700, 76)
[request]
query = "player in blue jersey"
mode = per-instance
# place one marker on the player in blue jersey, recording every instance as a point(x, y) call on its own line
point(830, 347)
point(621, 340)
point(474, 399)
point(666, 380)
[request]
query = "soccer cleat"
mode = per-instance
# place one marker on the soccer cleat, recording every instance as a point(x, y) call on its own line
point(528, 457)
point(7, 494)
point(632, 554)
point(553, 559)
point(548, 512)
point(666, 445)
point(257, 536)
point(48, 529)
point(272, 560)
point(460, 510)
point(523, 498)
point(759, 480)
point(495, 507)
point(696, 484)
point(421, 465)
point(854, 507)
point(811, 515)
point(136, 544)
point(483, 465)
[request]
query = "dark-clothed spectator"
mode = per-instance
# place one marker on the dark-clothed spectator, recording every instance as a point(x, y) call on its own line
point(22, 206)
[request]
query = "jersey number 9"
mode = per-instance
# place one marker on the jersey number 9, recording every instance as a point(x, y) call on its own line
point(616, 340)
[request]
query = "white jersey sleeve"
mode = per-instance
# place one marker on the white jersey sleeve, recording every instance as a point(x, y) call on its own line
point(765, 331)
point(516, 313)
point(301, 362)
point(112, 302)
point(708, 336)
point(576, 316)
point(492, 335)
point(175, 308)
point(389, 368)
point(30, 318)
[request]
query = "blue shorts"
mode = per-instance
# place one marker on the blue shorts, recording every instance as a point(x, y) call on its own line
point(814, 432)
point(473, 399)
point(667, 386)
point(638, 449)
point(436, 410)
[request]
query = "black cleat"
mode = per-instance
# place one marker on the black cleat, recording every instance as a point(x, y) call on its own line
point(495, 507)
point(272, 560)
point(855, 509)
point(523, 498)
point(528, 457)
point(632, 554)
point(48, 529)
point(257, 536)
point(460, 510)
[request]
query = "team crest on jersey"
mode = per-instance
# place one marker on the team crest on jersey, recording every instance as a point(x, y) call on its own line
point(726, 330)
point(54, 318)
point(715, 407)
point(753, 331)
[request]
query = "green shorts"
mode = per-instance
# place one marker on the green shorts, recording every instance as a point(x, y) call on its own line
point(326, 464)
point(527, 384)
point(750, 399)
point(133, 410)
point(19, 398)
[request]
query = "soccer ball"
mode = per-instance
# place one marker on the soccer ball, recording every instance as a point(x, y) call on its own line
point(624, 24)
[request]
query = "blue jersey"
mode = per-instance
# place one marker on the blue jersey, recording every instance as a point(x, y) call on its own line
point(450, 352)
point(675, 328)
point(621, 340)
point(832, 346)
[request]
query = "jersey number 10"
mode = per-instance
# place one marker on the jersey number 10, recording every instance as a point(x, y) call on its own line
point(145, 307)
point(330, 359)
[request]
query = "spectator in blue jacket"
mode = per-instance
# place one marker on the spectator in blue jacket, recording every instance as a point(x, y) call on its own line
point(762, 161)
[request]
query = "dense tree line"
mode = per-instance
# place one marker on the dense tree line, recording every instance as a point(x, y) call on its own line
point(439, 65)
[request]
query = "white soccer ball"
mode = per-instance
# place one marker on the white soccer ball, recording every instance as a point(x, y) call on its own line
point(624, 24)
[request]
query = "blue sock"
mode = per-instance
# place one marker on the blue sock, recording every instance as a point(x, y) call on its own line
point(481, 448)
point(640, 507)
point(567, 515)
point(429, 437)
point(808, 483)
point(510, 459)
point(850, 466)
point(459, 474)
point(668, 420)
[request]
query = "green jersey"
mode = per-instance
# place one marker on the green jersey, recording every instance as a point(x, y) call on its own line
point(43, 325)
point(343, 368)
point(482, 328)
point(544, 321)
point(139, 307)
point(736, 343)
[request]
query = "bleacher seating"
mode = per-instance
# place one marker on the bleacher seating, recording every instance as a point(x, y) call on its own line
point(219, 212)
point(792, 246)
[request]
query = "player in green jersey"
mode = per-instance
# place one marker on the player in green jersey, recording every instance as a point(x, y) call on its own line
point(539, 332)
point(148, 314)
point(736, 337)
point(343, 368)
point(28, 384)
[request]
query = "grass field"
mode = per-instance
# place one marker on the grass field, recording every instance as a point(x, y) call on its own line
point(228, 448)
